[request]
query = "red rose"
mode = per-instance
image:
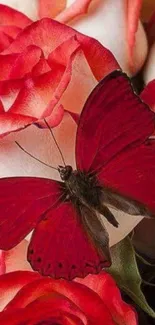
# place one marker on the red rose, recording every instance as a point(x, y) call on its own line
point(27, 298)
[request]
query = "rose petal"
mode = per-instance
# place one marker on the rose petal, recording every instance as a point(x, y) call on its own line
point(25, 62)
point(81, 76)
point(103, 16)
point(133, 11)
point(9, 16)
point(103, 283)
point(84, 298)
point(41, 67)
point(149, 69)
point(6, 62)
point(10, 122)
point(41, 34)
point(54, 309)
point(1, 107)
point(11, 31)
point(2, 262)
point(12, 282)
point(16, 258)
point(77, 8)
point(50, 8)
point(5, 41)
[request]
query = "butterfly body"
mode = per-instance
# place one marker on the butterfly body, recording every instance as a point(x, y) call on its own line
point(115, 168)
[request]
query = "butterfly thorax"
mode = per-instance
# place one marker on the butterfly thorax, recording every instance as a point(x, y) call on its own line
point(80, 186)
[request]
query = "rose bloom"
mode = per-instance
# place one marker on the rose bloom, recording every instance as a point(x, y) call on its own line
point(28, 298)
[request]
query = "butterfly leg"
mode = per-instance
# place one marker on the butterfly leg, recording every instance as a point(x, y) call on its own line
point(108, 215)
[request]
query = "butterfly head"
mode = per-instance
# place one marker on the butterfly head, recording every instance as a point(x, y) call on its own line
point(65, 172)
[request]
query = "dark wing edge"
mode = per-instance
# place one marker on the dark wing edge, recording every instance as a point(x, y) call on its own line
point(124, 203)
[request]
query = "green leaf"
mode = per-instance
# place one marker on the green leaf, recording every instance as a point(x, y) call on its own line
point(125, 271)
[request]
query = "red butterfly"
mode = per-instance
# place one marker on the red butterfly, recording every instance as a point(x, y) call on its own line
point(115, 167)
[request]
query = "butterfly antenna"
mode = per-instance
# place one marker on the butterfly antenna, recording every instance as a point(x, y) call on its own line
point(34, 156)
point(55, 141)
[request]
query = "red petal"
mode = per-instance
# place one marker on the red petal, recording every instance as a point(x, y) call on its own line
point(12, 282)
point(88, 301)
point(25, 62)
point(45, 311)
point(51, 8)
point(10, 122)
point(41, 67)
point(5, 41)
point(2, 262)
point(79, 7)
point(39, 96)
point(104, 285)
point(148, 95)
point(41, 34)
point(11, 31)
point(6, 63)
point(10, 16)
point(16, 258)
point(1, 107)
point(133, 15)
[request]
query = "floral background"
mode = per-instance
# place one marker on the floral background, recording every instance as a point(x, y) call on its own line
point(70, 43)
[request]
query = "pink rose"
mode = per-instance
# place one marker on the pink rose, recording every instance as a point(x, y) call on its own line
point(116, 27)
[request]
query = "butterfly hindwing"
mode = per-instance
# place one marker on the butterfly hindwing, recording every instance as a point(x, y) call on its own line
point(23, 201)
point(60, 247)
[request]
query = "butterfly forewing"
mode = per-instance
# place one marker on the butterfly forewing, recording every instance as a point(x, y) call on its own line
point(113, 119)
point(23, 202)
point(110, 143)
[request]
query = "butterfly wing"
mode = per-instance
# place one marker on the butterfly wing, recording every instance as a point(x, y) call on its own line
point(132, 175)
point(23, 201)
point(113, 119)
point(113, 127)
point(60, 247)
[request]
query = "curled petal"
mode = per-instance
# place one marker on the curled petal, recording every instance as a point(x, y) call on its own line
point(11, 283)
point(10, 16)
point(79, 7)
point(10, 122)
point(104, 285)
point(11, 31)
point(51, 8)
point(133, 14)
point(41, 34)
point(84, 298)
point(6, 63)
point(2, 262)
point(25, 62)
point(5, 41)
